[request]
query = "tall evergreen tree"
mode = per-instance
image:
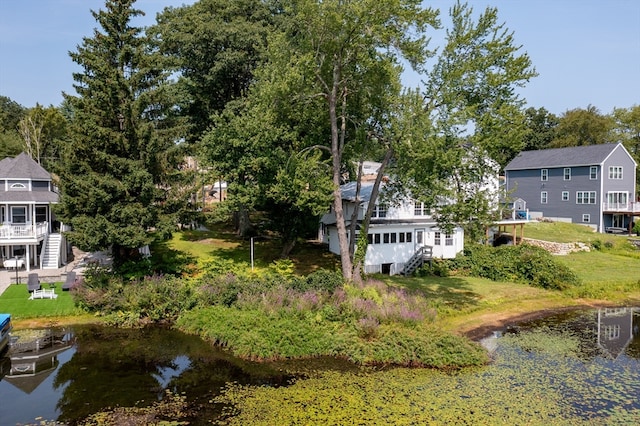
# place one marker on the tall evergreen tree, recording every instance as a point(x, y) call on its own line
point(113, 165)
point(11, 113)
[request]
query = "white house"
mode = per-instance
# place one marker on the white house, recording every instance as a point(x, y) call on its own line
point(399, 237)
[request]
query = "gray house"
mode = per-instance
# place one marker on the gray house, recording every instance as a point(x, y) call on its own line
point(27, 226)
point(594, 185)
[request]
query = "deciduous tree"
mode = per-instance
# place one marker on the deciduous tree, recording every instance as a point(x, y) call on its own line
point(579, 127)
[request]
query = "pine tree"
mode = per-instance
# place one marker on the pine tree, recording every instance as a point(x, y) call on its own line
point(112, 168)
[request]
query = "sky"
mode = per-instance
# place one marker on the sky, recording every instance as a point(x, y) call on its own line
point(586, 52)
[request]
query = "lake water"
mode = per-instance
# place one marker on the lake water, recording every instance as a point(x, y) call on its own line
point(84, 369)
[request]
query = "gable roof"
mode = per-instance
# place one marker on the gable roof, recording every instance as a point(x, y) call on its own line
point(586, 155)
point(22, 167)
point(348, 191)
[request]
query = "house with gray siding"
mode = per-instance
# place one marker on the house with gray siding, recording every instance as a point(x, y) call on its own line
point(29, 233)
point(594, 185)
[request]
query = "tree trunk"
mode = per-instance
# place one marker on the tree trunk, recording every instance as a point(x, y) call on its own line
point(244, 227)
point(336, 154)
point(287, 246)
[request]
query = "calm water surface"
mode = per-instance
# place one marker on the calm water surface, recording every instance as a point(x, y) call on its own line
point(89, 368)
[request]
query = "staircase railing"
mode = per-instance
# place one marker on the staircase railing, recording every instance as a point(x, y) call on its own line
point(43, 250)
point(417, 260)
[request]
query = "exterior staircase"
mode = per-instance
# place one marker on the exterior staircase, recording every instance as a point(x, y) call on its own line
point(417, 260)
point(51, 252)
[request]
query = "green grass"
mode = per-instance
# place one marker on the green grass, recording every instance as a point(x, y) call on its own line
point(220, 242)
point(561, 232)
point(15, 301)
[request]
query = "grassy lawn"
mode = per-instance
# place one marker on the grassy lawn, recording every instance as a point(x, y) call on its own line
point(560, 232)
point(197, 247)
point(15, 301)
point(463, 303)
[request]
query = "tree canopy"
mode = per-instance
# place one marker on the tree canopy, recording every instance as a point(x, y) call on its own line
point(120, 135)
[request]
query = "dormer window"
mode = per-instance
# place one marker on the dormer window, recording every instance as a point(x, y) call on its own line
point(380, 210)
point(419, 209)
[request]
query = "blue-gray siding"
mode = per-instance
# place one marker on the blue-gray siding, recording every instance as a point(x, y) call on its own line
point(526, 183)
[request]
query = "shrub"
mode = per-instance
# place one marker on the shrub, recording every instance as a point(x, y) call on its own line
point(437, 267)
point(523, 263)
point(324, 280)
point(150, 300)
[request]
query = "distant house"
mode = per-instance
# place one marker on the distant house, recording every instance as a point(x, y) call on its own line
point(400, 237)
point(594, 185)
point(27, 224)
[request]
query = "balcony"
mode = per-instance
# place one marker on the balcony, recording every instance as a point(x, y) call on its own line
point(630, 207)
point(23, 232)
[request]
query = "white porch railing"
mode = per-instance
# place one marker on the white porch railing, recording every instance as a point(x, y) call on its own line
point(23, 231)
point(630, 207)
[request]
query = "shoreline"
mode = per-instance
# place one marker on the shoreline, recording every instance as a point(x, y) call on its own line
point(491, 321)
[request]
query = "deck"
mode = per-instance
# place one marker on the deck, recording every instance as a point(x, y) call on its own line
point(22, 233)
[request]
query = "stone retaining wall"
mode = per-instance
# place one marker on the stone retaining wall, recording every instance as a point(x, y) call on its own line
point(558, 248)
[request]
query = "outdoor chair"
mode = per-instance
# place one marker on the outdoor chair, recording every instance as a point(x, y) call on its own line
point(69, 282)
point(33, 282)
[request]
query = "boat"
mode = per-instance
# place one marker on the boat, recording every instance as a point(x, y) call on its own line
point(5, 331)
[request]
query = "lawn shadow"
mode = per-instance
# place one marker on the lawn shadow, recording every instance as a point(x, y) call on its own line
point(167, 260)
point(451, 292)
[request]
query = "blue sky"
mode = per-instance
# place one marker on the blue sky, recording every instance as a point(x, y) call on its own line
point(587, 52)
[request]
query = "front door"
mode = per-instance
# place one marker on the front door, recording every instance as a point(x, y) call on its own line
point(420, 239)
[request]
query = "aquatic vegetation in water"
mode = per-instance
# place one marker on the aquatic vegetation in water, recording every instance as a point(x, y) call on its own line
point(539, 376)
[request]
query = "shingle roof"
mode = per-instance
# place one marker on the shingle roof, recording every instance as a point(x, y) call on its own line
point(348, 191)
point(28, 197)
point(574, 156)
point(22, 167)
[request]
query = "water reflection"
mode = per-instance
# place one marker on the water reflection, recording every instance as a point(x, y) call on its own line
point(610, 333)
point(68, 374)
point(85, 369)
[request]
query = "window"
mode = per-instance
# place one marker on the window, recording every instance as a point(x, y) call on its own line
point(370, 238)
point(617, 200)
point(18, 186)
point(437, 238)
point(448, 239)
point(586, 218)
point(41, 214)
point(394, 237)
point(385, 238)
point(565, 195)
point(401, 237)
point(376, 238)
point(380, 210)
point(615, 172)
point(409, 237)
point(593, 172)
point(567, 173)
point(18, 214)
point(419, 209)
point(544, 174)
point(611, 332)
point(543, 197)
point(586, 197)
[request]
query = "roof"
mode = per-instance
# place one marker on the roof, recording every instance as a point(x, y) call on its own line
point(348, 191)
point(28, 197)
point(22, 167)
point(586, 155)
